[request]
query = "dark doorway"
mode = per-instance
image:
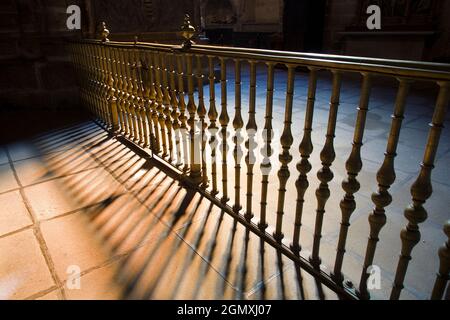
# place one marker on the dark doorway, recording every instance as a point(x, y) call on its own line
point(303, 25)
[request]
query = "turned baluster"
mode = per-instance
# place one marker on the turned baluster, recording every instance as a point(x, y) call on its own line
point(421, 190)
point(99, 94)
point(147, 87)
point(136, 100)
point(213, 129)
point(182, 107)
point(238, 123)
point(159, 103)
point(443, 275)
point(129, 96)
point(105, 84)
point(201, 111)
point(195, 162)
point(304, 166)
point(223, 120)
point(351, 185)
point(175, 109)
point(285, 157)
point(325, 175)
point(266, 151)
point(112, 89)
point(92, 80)
point(385, 178)
point(250, 144)
point(144, 140)
point(166, 103)
point(156, 142)
point(124, 93)
point(119, 86)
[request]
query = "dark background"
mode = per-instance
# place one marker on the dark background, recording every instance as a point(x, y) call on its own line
point(36, 70)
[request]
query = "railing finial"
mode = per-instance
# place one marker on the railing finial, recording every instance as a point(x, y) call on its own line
point(187, 32)
point(104, 32)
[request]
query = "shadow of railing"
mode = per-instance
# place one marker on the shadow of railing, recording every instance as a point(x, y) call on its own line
point(167, 239)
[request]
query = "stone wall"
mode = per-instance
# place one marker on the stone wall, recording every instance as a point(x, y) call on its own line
point(35, 68)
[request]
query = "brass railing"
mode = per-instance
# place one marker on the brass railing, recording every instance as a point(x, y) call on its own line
point(153, 95)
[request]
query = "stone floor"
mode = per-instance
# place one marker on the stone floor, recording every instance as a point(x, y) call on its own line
point(77, 199)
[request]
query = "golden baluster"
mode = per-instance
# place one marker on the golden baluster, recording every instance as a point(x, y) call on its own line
point(112, 89)
point(159, 104)
point(124, 93)
point(135, 100)
point(129, 96)
point(144, 142)
point(104, 79)
point(325, 175)
point(149, 97)
point(213, 129)
point(285, 157)
point(351, 185)
point(250, 144)
point(444, 268)
point(120, 85)
point(421, 190)
point(166, 103)
point(112, 102)
point(266, 151)
point(140, 110)
point(223, 120)
point(182, 116)
point(238, 124)
point(153, 117)
point(116, 85)
point(201, 111)
point(304, 166)
point(94, 92)
point(195, 162)
point(175, 108)
point(385, 178)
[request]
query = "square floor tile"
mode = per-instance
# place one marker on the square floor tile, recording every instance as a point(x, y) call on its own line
point(50, 199)
point(13, 213)
point(23, 270)
point(23, 150)
point(71, 241)
point(30, 171)
point(98, 284)
point(7, 179)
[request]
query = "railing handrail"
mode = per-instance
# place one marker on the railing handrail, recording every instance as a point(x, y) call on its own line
point(396, 68)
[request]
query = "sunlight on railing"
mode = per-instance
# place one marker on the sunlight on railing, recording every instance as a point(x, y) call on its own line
point(153, 94)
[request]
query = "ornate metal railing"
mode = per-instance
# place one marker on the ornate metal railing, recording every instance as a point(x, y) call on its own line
point(153, 95)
